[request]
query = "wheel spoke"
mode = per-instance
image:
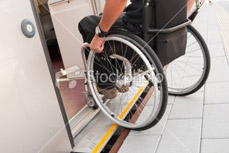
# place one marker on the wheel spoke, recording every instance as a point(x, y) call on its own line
point(189, 69)
point(128, 105)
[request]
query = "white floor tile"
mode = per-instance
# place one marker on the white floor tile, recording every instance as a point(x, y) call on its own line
point(215, 146)
point(219, 70)
point(171, 99)
point(188, 107)
point(181, 136)
point(137, 144)
point(217, 92)
point(158, 128)
point(216, 121)
point(216, 49)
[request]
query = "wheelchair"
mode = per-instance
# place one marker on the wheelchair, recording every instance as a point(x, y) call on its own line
point(131, 62)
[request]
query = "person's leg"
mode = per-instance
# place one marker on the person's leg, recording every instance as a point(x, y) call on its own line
point(101, 66)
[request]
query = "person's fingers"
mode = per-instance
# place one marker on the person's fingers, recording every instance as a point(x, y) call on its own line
point(97, 44)
point(102, 46)
point(99, 50)
point(92, 47)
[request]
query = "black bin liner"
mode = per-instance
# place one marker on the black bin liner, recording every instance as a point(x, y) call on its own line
point(171, 46)
point(170, 13)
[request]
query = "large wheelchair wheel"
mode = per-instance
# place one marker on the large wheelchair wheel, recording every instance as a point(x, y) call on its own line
point(188, 73)
point(129, 62)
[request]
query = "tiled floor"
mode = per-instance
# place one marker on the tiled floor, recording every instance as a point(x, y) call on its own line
point(198, 123)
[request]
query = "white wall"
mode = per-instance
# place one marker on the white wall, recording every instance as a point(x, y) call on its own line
point(65, 17)
point(30, 116)
point(100, 5)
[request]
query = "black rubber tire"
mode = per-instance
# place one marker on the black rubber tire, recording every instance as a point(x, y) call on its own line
point(148, 51)
point(208, 63)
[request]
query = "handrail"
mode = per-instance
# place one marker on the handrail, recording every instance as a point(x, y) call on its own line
point(59, 2)
point(93, 2)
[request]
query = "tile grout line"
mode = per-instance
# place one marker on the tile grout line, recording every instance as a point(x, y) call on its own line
point(165, 125)
point(202, 124)
point(215, 138)
point(145, 135)
point(191, 118)
point(201, 132)
point(224, 81)
point(223, 103)
point(219, 56)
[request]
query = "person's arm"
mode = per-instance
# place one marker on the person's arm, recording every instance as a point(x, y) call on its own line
point(112, 10)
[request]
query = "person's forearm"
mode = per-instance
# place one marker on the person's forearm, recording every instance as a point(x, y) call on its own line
point(112, 10)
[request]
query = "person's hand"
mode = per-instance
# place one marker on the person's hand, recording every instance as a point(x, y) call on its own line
point(97, 44)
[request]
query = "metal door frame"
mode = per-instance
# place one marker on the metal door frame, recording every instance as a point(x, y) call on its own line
point(48, 59)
